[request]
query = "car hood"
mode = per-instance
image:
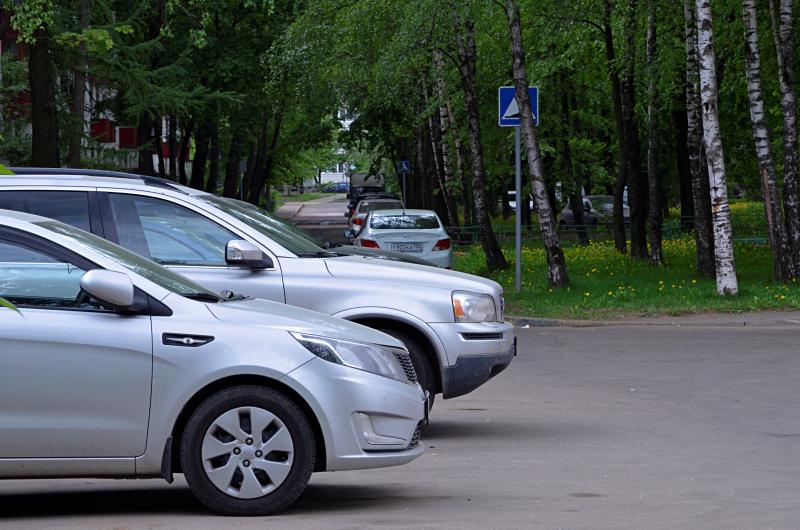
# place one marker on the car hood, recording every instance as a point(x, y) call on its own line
point(380, 254)
point(277, 316)
point(372, 269)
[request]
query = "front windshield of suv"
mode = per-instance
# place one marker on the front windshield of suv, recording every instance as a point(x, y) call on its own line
point(143, 267)
point(292, 239)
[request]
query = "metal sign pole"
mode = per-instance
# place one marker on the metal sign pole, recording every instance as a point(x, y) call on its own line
point(518, 216)
point(405, 177)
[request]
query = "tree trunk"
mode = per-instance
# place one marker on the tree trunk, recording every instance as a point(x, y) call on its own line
point(557, 268)
point(231, 186)
point(620, 239)
point(637, 190)
point(466, 196)
point(465, 41)
point(214, 154)
point(144, 140)
point(783, 264)
point(444, 127)
point(158, 127)
point(682, 163)
point(172, 142)
point(79, 92)
point(263, 175)
point(576, 197)
point(200, 155)
point(784, 42)
point(438, 155)
point(44, 138)
point(653, 176)
point(727, 283)
point(701, 193)
point(186, 138)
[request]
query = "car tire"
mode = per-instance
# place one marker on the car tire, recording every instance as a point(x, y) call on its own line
point(422, 365)
point(258, 478)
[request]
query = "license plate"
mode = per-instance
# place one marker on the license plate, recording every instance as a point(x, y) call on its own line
point(407, 247)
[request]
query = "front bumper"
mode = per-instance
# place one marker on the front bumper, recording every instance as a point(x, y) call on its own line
point(367, 420)
point(476, 353)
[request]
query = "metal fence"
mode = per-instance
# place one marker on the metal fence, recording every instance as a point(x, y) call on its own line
point(743, 232)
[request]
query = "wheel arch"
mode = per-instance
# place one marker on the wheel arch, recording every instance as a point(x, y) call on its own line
point(235, 380)
point(403, 326)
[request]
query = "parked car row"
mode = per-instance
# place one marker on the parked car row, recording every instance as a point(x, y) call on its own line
point(137, 349)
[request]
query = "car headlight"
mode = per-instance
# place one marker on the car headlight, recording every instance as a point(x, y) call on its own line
point(372, 358)
point(473, 307)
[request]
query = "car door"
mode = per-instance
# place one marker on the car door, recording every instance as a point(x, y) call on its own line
point(75, 378)
point(185, 240)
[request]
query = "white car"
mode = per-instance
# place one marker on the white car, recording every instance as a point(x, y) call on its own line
point(114, 366)
point(416, 232)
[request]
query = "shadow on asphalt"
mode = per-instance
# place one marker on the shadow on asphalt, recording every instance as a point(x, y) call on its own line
point(178, 500)
point(163, 500)
point(494, 429)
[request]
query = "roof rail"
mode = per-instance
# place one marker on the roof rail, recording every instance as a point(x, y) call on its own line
point(69, 171)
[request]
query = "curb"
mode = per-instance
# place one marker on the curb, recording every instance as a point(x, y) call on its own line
point(717, 320)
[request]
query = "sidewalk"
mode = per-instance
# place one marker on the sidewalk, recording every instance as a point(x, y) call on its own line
point(289, 210)
point(758, 318)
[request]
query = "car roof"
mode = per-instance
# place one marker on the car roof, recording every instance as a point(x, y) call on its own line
point(407, 211)
point(88, 177)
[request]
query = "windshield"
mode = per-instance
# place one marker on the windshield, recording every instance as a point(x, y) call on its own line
point(405, 222)
point(291, 238)
point(143, 267)
point(382, 205)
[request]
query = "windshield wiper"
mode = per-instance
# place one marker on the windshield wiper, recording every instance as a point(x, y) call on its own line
point(203, 297)
point(320, 254)
point(230, 296)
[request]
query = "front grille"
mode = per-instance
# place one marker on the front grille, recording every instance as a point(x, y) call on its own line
point(482, 336)
point(405, 361)
point(415, 438)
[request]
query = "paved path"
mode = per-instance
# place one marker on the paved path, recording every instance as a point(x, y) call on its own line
point(624, 427)
point(323, 218)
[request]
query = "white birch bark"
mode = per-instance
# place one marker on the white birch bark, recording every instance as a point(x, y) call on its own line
point(784, 42)
point(727, 283)
point(783, 265)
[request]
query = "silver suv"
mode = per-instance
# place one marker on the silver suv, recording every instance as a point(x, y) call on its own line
point(115, 366)
point(452, 323)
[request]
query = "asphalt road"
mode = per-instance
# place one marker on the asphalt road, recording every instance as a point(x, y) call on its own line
point(323, 218)
point(640, 427)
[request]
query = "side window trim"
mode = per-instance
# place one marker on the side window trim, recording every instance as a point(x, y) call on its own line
point(107, 217)
point(95, 219)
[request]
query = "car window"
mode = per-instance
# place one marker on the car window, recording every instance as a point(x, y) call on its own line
point(30, 278)
point(168, 233)
point(292, 239)
point(154, 272)
point(71, 207)
point(405, 222)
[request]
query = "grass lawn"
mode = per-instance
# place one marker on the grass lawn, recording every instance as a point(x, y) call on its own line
point(605, 284)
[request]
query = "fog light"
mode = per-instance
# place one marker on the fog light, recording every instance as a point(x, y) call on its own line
point(371, 436)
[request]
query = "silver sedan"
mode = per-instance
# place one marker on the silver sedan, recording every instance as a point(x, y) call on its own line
point(416, 232)
point(115, 366)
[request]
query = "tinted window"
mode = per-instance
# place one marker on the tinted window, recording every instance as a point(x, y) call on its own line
point(30, 278)
point(71, 207)
point(380, 205)
point(168, 233)
point(405, 222)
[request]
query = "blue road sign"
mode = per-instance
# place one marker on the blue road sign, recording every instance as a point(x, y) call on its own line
point(404, 166)
point(508, 110)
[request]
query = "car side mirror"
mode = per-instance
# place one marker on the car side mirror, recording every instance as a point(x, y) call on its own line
point(241, 253)
point(587, 209)
point(350, 234)
point(113, 288)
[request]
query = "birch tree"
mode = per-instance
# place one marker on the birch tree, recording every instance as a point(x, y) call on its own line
point(727, 283)
point(784, 42)
point(465, 44)
point(781, 251)
point(556, 266)
point(653, 179)
point(701, 194)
